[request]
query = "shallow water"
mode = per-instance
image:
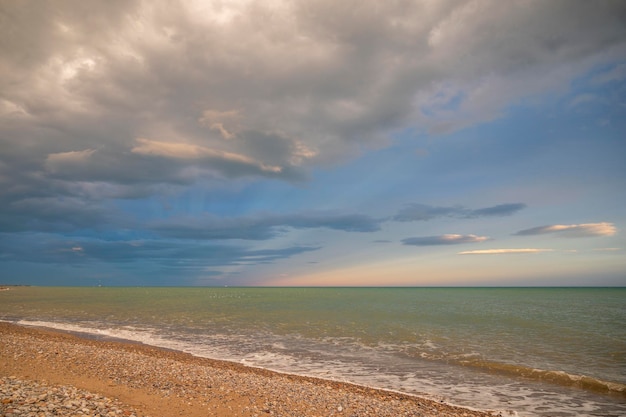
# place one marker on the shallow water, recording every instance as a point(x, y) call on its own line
point(533, 351)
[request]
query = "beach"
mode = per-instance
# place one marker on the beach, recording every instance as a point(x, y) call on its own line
point(141, 380)
point(524, 352)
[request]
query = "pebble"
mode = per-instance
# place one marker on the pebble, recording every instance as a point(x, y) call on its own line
point(31, 398)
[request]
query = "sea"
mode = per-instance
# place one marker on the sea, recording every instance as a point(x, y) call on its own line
point(517, 351)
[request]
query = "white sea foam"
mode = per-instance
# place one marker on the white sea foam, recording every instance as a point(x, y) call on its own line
point(130, 333)
point(340, 360)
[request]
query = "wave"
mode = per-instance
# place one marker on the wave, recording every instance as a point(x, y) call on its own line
point(555, 377)
point(385, 369)
point(152, 337)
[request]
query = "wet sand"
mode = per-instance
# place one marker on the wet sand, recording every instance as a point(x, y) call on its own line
point(148, 381)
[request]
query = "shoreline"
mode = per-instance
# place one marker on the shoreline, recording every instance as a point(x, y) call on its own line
point(150, 379)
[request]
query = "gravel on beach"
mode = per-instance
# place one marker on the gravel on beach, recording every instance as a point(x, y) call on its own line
point(30, 398)
point(46, 373)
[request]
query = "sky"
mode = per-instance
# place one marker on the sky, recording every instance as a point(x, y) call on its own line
point(313, 143)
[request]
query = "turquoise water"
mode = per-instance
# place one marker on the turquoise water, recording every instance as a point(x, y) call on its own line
point(532, 351)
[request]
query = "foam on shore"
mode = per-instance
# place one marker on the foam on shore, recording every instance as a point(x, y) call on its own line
point(149, 379)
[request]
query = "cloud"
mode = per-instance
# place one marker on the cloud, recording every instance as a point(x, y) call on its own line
point(300, 90)
point(225, 122)
point(417, 212)
point(583, 99)
point(515, 40)
point(503, 251)
point(422, 212)
point(261, 227)
point(116, 167)
point(450, 239)
point(55, 161)
point(616, 73)
point(572, 230)
point(499, 210)
point(181, 255)
point(106, 102)
point(151, 161)
point(54, 214)
point(184, 151)
point(608, 249)
point(316, 81)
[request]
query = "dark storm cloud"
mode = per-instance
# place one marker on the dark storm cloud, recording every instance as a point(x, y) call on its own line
point(297, 83)
point(281, 85)
point(54, 214)
point(45, 248)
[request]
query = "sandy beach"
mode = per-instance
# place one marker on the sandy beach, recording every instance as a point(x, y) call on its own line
point(119, 378)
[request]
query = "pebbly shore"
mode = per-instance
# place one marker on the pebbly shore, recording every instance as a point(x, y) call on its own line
point(53, 373)
point(31, 398)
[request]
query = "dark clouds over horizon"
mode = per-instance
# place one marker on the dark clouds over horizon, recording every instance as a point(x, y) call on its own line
point(284, 131)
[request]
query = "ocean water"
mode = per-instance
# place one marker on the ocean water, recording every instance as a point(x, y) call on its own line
point(523, 351)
